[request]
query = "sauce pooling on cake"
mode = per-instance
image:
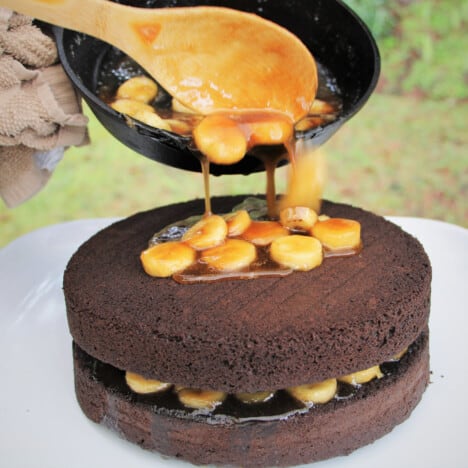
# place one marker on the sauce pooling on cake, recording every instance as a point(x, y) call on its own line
point(245, 244)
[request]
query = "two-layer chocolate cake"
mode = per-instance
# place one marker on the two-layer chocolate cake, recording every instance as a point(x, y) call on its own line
point(249, 336)
point(272, 371)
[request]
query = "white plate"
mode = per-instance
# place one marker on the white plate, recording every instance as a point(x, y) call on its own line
point(42, 426)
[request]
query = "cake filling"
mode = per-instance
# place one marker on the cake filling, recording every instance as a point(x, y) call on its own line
point(219, 407)
point(307, 394)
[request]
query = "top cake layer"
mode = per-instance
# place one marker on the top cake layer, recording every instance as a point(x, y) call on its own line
point(247, 335)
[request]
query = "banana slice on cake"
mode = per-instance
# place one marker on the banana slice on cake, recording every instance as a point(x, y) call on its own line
point(338, 233)
point(263, 233)
point(200, 399)
point(237, 222)
point(141, 385)
point(233, 255)
point(321, 392)
point(297, 252)
point(254, 397)
point(209, 232)
point(163, 260)
point(298, 218)
point(361, 377)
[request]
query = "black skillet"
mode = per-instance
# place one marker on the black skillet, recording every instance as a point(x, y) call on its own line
point(337, 38)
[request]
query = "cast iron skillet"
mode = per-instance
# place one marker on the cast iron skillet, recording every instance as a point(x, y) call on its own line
point(337, 38)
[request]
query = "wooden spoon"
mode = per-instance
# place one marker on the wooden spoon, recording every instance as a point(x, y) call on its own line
point(209, 58)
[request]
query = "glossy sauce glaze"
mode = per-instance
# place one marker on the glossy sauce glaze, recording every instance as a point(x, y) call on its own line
point(231, 411)
point(262, 267)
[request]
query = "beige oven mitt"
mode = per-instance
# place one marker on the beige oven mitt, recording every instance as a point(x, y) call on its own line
point(40, 112)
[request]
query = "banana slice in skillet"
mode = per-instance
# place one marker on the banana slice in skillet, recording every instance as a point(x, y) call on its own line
point(139, 88)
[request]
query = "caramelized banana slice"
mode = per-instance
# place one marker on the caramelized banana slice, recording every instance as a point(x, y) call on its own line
point(309, 122)
point(321, 107)
point(338, 233)
point(220, 139)
point(270, 131)
point(237, 222)
point(255, 397)
point(298, 218)
point(130, 106)
point(361, 377)
point(163, 260)
point(141, 385)
point(233, 255)
point(321, 392)
point(179, 126)
point(152, 119)
point(138, 88)
point(209, 232)
point(298, 252)
point(200, 399)
point(264, 232)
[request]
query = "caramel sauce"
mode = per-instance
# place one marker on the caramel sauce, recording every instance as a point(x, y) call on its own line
point(328, 253)
point(270, 161)
point(262, 267)
point(270, 167)
point(205, 168)
point(279, 407)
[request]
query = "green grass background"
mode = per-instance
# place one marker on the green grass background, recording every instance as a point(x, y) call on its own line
point(404, 154)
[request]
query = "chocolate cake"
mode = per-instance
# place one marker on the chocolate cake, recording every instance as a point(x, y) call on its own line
point(268, 334)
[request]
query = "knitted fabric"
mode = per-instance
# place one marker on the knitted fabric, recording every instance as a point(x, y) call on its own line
point(39, 109)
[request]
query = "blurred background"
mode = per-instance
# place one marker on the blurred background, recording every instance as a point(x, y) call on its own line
point(404, 154)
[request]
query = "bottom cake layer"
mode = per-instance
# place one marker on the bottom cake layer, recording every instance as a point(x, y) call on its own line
point(323, 431)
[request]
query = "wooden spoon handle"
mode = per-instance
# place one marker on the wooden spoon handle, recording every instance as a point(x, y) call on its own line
point(102, 19)
point(87, 16)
